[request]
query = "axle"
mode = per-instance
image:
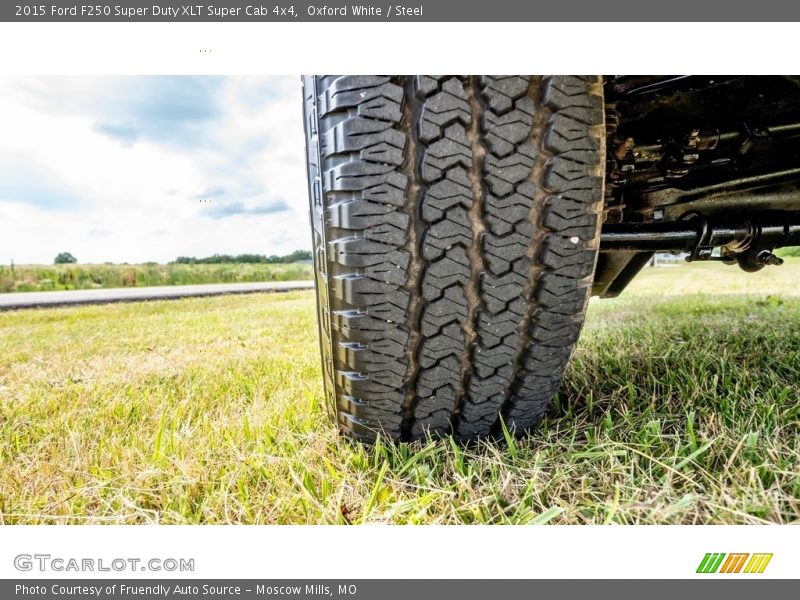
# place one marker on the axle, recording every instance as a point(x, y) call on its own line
point(748, 240)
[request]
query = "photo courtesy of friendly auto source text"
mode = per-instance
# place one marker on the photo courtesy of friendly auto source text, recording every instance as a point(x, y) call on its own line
point(235, 290)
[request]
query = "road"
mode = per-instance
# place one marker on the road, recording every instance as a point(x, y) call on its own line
point(75, 297)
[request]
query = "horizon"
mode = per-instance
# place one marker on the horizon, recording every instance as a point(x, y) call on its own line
point(176, 260)
point(127, 263)
point(142, 169)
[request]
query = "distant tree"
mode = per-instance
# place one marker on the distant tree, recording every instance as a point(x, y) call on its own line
point(298, 255)
point(65, 258)
point(244, 259)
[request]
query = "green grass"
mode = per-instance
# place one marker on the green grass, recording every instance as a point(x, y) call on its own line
point(676, 409)
point(42, 278)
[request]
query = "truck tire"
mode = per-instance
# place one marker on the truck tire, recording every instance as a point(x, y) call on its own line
point(455, 232)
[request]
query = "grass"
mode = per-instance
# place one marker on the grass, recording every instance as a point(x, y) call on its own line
point(676, 409)
point(42, 278)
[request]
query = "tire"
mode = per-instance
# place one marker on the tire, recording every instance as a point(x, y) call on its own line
point(455, 231)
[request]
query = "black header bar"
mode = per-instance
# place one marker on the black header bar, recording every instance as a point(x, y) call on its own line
point(409, 11)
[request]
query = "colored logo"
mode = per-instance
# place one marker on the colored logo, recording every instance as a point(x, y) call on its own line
point(719, 562)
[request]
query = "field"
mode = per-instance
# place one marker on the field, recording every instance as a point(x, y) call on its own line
point(681, 406)
point(41, 278)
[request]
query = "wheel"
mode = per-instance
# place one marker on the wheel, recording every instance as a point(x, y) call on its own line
point(455, 231)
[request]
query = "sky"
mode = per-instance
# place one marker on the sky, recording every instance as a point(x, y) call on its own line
point(136, 169)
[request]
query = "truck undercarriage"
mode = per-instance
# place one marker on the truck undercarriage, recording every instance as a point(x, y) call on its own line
point(705, 165)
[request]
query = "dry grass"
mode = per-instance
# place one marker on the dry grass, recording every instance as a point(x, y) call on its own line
point(677, 409)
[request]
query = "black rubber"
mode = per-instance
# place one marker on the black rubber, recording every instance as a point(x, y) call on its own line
point(455, 227)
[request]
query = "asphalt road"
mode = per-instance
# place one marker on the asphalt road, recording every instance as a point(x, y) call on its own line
point(75, 297)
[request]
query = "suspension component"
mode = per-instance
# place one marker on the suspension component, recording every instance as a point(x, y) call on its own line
point(748, 241)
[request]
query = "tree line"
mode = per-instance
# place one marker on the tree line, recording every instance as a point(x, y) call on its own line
point(217, 259)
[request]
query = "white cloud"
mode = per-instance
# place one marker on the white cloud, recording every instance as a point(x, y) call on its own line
point(130, 169)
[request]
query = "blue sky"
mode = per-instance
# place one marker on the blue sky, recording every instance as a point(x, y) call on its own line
point(131, 169)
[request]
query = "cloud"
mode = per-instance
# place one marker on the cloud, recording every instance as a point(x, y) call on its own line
point(237, 208)
point(259, 91)
point(173, 110)
point(240, 198)
point(27, 181)
point(213, 192)
point(125, 134)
